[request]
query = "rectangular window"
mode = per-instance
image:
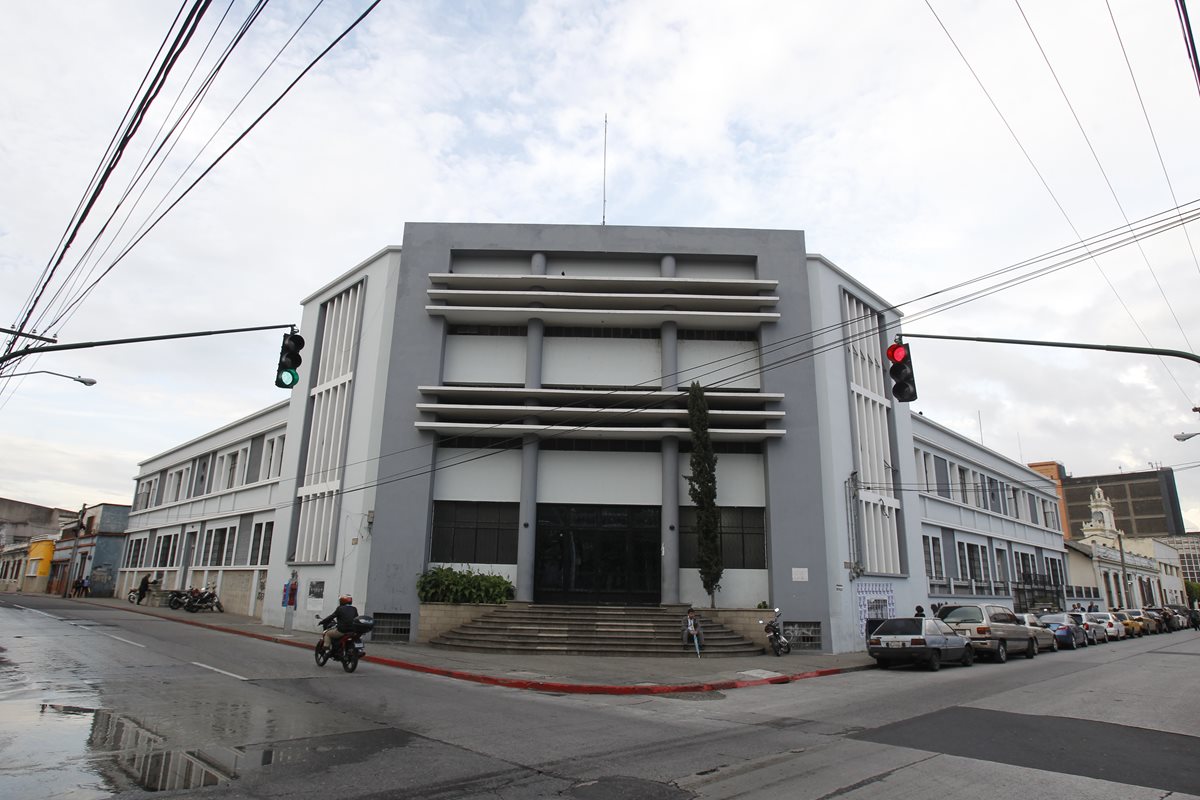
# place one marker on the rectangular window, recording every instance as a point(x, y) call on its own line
point(941, 472)
point(933, 557)
point(260, 543)
point(166, 548)
point(145, 494)
point(217, 550)
point(963, 485)
point(964, 573)
point(272, 460)
point(474, 533)
point(742, 538)
point(134, 553)
point(1001, 565)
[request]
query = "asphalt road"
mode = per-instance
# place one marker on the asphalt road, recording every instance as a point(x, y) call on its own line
point(98, 702)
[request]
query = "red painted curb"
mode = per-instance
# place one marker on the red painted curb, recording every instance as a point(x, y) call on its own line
point(515, 683)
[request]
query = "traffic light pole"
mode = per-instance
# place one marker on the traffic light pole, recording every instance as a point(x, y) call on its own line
point(1115, 348)
point(109, 342)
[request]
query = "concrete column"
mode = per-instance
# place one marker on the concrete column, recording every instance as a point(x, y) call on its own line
point(669, 581)
point(669, 575)
point(527, 515)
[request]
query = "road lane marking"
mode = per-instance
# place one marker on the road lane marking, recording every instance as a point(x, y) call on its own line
point(223, 672)
point(34, 610)
point(119, 639)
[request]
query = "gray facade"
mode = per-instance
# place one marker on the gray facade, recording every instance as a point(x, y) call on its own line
point(511, 399)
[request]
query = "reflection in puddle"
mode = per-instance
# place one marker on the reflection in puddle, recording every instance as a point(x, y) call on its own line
point(87, 754)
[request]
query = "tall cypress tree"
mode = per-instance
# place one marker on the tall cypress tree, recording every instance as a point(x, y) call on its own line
point(702, 488)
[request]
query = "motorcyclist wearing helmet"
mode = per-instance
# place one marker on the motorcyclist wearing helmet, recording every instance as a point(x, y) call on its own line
point(344, 615)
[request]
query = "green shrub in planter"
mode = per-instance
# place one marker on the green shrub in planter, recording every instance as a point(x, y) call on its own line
point(448, 585)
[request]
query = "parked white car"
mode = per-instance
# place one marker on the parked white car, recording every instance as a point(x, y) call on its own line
point(1112, 626)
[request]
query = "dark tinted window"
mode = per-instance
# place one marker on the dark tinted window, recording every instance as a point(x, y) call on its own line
point(899, 627)
point(953, 614)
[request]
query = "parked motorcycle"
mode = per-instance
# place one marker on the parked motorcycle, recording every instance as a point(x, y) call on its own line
point(203, 600)
point(347, 648)
point(779, 643)
point(176, 598)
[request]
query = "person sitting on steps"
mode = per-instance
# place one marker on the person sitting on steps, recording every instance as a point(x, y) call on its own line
point(692, 629)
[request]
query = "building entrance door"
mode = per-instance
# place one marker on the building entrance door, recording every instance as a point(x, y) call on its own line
point(598, 555)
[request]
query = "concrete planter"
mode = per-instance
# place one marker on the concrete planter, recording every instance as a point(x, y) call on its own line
point(437, 618)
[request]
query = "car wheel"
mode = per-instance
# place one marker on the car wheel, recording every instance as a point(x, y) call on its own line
point(1001, 652)
point(1054, 644)
point(935, 661)
point(1074, 645)
point(968, 656)
point(1031, 649)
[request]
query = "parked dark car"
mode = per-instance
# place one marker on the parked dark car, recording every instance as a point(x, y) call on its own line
point(1068, 632)
point(917, 640)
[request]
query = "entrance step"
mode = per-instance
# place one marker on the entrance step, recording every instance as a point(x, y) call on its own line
point(591, 630)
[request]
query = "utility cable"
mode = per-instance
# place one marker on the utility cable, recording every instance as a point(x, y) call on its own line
point(1146, 116)
point(138, 116)
point(220, 157)
point(1103, 172)
point(95, 175)
point(1049, 191)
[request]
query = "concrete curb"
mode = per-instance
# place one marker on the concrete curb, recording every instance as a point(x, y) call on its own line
point(519, 683)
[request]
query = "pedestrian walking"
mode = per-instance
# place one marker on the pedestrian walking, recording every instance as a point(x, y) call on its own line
point(85, 588)
point(143, 589)
point(920, 611)
point(75, 587)
point(1092, 607)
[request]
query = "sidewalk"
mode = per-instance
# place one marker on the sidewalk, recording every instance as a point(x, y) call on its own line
point(549, 673)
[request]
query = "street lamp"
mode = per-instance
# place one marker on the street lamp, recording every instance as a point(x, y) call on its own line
point(84, 381)
point(1183, 437)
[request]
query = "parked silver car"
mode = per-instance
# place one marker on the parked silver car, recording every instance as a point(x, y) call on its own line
point(1043, 637)
point(1096, 633)
point(994, 631)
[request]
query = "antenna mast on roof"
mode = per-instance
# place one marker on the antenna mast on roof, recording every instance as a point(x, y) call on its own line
point(604, 176)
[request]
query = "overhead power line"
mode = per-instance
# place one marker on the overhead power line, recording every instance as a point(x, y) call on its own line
point(1049, 191)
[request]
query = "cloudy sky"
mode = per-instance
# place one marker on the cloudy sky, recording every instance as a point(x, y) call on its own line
point(915, 157)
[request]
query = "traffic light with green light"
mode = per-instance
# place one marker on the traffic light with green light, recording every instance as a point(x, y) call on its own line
point(904, 383)
point(289, 358)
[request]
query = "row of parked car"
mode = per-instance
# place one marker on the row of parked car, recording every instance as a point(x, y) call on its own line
point(961, 633)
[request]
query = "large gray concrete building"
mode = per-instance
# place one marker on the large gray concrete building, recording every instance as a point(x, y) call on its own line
point(512, 399)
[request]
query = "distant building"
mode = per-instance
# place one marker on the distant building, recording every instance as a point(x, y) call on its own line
point(1057, 473)
point(1188, 547)
point(1143, 503)
point(204, 512)
point(90, 548)
point(20, 521)
point(1126, 578)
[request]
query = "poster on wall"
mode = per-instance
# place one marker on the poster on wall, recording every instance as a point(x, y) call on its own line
point(316, 595)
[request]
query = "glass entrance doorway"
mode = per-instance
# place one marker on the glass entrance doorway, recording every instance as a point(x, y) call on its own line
point(595, 555)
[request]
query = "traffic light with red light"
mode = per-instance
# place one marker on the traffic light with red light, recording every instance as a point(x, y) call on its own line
point(904, 383)
point(289, 358)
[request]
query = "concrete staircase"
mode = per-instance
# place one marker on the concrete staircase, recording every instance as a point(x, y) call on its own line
point(591, 630)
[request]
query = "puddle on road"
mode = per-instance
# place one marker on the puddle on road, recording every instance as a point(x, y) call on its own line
point(65, 751)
